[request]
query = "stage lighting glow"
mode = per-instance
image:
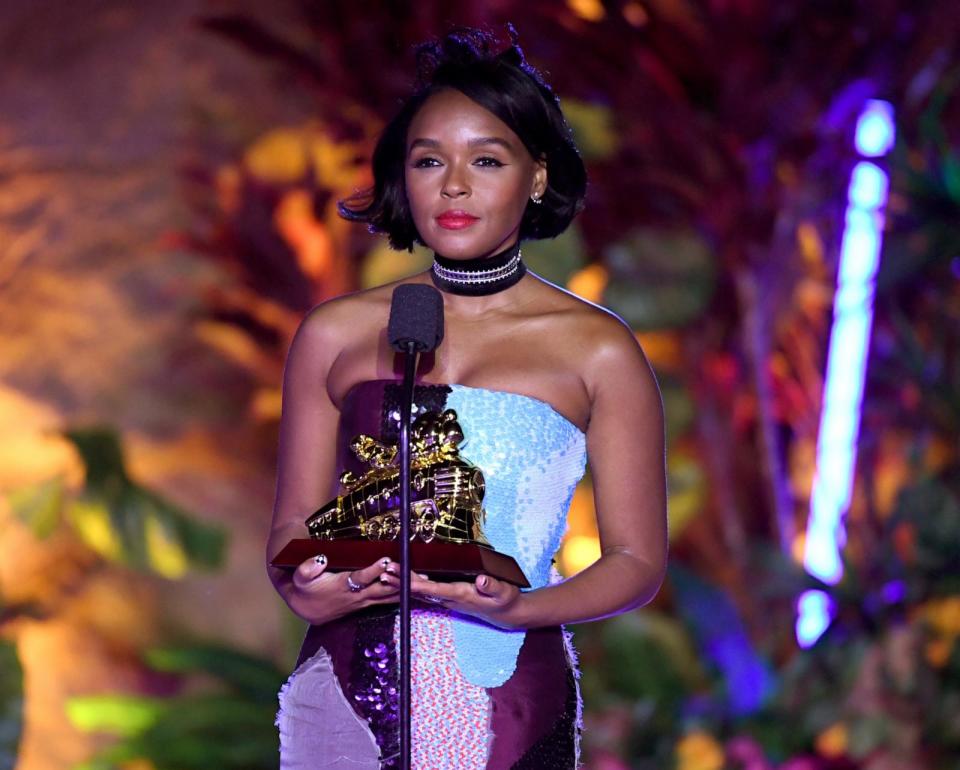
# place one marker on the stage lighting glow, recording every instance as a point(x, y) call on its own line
point(846, 368)
point(868, 187)
point(814, 610)
point(875, 132)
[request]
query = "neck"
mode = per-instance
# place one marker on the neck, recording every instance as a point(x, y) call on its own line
point(479, 276)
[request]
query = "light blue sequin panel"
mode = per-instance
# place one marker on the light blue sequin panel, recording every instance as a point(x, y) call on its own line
point(532, 458)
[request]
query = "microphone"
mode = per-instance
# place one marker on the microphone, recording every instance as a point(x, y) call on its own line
point(416, 316)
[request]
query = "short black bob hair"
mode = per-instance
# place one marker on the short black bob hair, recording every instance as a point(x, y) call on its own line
point(506, 85)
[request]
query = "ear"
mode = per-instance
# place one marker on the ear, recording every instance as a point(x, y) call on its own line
point(539, 185)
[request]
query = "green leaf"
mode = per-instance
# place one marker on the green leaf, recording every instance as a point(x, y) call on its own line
point(254, 677)
point(679, 409)
point(39, 506)
point(593, 128)
point(384, 264)
point(123, 715)
point(197, 733)
point(202, 545)
point(647, 658)
point(226, 730)
point(866, 735)
point(686, 482)
point(659, 278)
point(11, 703)
point(951, 175)
point(558, 258)
point(101, 453)
point(127, 523)
point(932, 509)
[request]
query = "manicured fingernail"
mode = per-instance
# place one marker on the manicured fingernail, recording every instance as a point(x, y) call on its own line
point(320, 560)
point(482, 582)
point(422, 576)
point(385, 563)
point(384, 579)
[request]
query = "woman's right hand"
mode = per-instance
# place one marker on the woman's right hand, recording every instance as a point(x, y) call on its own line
point(319, 596)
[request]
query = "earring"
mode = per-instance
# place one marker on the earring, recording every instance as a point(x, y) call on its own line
point(536, 199)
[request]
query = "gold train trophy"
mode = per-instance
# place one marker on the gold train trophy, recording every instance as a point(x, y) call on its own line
point(446, 522)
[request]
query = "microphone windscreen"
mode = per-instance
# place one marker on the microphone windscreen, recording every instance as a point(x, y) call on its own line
point(416, 315)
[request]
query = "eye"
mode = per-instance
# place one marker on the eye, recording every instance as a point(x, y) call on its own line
point(426, 162)
point(488, 161)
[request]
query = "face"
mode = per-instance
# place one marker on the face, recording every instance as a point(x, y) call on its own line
point(468, 177)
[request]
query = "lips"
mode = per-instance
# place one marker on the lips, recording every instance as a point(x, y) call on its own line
point(456, 220)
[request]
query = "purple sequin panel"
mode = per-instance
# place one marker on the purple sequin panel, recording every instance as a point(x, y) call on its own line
point(374, 683)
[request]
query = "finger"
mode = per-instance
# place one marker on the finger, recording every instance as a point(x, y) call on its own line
point(421, 583)
point(369, 575)
point(489, 586)
point(379, 591)
point(309, 570)
point(384, 586)
point(392, 576)
point(451, 592)
point(388, 579)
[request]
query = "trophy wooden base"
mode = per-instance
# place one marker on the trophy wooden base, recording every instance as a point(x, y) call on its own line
point(439, 560)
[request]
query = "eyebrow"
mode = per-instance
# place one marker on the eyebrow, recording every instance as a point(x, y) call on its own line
point(476, 142)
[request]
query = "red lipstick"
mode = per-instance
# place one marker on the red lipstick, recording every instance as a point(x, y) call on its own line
point(455, 220)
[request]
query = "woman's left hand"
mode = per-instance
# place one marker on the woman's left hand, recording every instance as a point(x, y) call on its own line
point(487, 598)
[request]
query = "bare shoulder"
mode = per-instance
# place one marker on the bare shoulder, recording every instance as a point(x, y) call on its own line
point(342, 310)
point(602, 343)
point(341, 320)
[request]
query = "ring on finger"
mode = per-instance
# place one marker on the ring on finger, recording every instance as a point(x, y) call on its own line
point(352, 584)
point(434, 599)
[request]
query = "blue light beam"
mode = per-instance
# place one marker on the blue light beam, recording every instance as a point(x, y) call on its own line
point(846, 368)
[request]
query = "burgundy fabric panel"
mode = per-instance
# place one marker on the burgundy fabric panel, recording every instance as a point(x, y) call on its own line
point(337, 637)
point(529, 705)
point(361, 412)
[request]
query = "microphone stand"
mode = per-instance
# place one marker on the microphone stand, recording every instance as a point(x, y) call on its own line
point(415, 325)
point(406, 407)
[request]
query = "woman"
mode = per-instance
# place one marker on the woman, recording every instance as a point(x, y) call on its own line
point(478, 159)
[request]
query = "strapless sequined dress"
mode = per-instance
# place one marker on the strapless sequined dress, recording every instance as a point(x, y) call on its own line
point(483, 697)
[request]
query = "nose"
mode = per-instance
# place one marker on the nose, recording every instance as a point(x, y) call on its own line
point(455, 184)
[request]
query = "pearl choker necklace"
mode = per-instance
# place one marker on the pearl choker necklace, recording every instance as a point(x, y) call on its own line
point(477, 277)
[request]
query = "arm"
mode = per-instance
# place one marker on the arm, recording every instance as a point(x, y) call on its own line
point(306, 467)
point(625, 444)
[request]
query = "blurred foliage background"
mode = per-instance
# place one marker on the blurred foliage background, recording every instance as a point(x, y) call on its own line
point(167, 216)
